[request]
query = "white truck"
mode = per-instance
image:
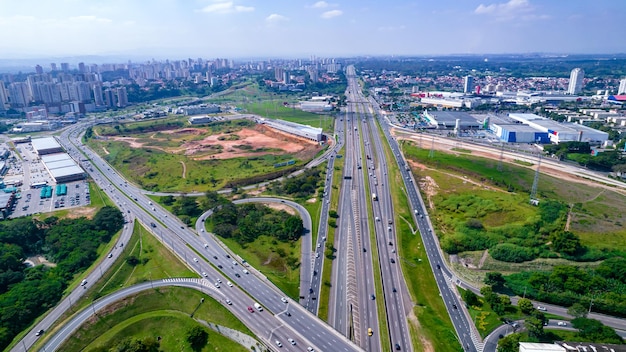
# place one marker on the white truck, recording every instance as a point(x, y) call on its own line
point(374, 197)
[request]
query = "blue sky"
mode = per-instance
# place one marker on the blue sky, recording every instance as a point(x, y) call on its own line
point(298, 28)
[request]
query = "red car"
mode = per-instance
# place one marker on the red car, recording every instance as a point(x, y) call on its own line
point(250, 309)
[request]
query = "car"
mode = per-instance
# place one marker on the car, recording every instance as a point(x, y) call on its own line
point(390, 243)
point(250, 309)
point(201, 230)
point(245, 271)
point(219, 280)
point(234, 262)
point(83, 283)
point(310, 349)
point(317, 255)
point(392, 260)
point(204, 274)
point(291, 341)
point(438, 266)
point(229, 302)
point(220, 266)
point(237, 275)
point(454, 306)
point(195, 259)
point(364, 250)
point(217, 284)
point(110, 255)
point(215, 257)
point(227, 256)
point(38, 333)
point(206, 245)
point(370, 332)
point(397, 347)
point(561, 323)
point(279, 344)
point(230, 284)
point(542, 308)
point(372, 297)
point(394, 290)
point(283, 299)
point(319, 245)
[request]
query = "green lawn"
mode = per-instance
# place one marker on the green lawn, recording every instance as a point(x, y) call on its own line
point(429, 322)
point(272, 257)
point(161, 312)
point(484, 318)
point(274, 109)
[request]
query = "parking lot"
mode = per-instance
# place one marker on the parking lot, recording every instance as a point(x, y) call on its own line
point(30, 200)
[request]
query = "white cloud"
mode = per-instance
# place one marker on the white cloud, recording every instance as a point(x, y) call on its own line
point(90, 19)
point(225, 7)
point(391, 28)
point(276, 18)
point(331, 14)
point(320, 5)
point(507, 10)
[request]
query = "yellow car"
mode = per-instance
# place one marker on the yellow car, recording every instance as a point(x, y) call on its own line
point(369, 332)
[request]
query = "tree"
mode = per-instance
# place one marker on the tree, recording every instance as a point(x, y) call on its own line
point(494, 279)
point(534, 326)
point(109, 219)
point(566, 242)
point(577, 311)
point(525, 305)
point(168, 200)
point(595, 331)
point(509, 343)
point(197, 337)
point(471, 298)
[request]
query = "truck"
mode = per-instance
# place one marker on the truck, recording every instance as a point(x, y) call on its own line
point(258, 307)
point(374, 196)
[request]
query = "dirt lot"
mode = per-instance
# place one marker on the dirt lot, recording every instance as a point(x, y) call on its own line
point(256, 141)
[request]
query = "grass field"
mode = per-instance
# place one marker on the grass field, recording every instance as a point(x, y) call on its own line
point(161, 312)
point(429, 322)
point(484, 318)
point(271, 257)
point(274, 109)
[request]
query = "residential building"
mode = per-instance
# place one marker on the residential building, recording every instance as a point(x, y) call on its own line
point(576, 81)
point(622, 87)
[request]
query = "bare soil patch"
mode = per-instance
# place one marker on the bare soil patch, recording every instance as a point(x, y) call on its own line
point(289, 210)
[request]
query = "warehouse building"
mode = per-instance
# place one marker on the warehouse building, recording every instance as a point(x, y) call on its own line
point(519, 133)
point(201, 120)
point(47, 145)
point(306, 131)
point(452, 119)
point(562, 132)
point(540, 347)
point(6, 203)
point(62, 168)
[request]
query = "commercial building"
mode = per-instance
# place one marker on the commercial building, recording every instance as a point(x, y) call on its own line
point(306, 131)
point(576, 81)
point(519, 133)
point(62, 168)
point(468, 85)
point(315, 106)
point(452, 119)
point(47, 145)
point(561, 132)
point(200, 109)
point(6, 203)
point(200, 120)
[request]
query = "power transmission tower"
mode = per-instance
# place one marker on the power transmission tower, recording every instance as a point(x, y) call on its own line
point(431, 154)
point(501, 157)
point(533, 192)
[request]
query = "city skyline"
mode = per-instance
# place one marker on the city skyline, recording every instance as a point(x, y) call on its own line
point(249, 28)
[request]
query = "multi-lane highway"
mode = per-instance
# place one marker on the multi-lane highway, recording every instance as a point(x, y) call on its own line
point(305, 328)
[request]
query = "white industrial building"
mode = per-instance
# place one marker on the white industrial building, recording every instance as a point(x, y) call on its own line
point(540, 347)
point(306, 131)
point(200, 109)
point(46, 145)
point(315, 106)
point(452, 119)
point(62, 168)
point(200, 120)
point(562, 132)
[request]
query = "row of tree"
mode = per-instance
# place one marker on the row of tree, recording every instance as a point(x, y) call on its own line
point(27, 292)
point(301, 186)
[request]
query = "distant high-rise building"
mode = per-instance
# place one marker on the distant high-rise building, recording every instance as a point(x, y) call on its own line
point(97, 94)
point(81, 67)
point(622, 86)
point(53, 66)
point(122, 97)
point(3, 94)
point(19, 94)
point(109, 98)
point(576, 81)
point(39, 69)
point(468, 86)
point(65, 67)
point(279, 73)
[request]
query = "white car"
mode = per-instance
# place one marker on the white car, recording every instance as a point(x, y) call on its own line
point(310, 349)
point(561, 323)
point(279, 344)
point(542, 308)
point(283, 299)
point(317, 255)
point(195, 260)
point(292, 341)
point(217, 284)
point(206, 245)
point(218, 280)
point(229, 302)
point(230, 284)
point(204, 274)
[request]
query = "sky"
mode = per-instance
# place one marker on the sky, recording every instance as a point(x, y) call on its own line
point(301, 28)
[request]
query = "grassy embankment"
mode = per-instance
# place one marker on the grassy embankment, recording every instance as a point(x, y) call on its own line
point(163, 312)
point(429, 322)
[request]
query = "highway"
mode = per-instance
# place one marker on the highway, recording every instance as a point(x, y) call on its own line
point(302, 326)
